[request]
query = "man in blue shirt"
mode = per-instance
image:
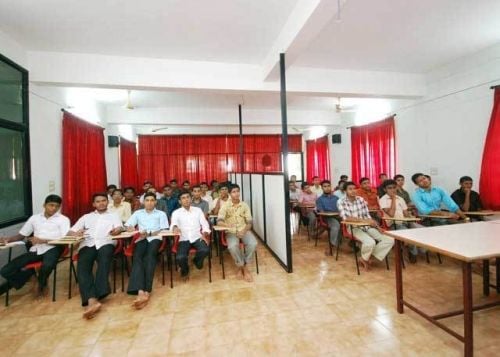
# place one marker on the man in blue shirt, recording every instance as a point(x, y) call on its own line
point(327, 202)
point(150, 222)
point(429, 200)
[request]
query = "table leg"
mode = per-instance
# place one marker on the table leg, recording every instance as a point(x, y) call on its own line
point(467, 295)
point(486, 277)
point(71, 269)
point(399, 276)
point(497, 263)
point(7, 282)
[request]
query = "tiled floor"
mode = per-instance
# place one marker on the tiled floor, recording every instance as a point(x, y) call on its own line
point(323, 308)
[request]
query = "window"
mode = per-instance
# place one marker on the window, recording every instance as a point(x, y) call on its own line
point(15, 182)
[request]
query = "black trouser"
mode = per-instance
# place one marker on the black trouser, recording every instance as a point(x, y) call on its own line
point(17, 276)
point(202, 252)
point(90, 287)
point(143, 266)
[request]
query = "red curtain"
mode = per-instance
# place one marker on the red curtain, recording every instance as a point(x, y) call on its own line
point(318, 158)
point(206, 157)
point(490, 169)
point(84, 166)
point(128, 164)
point(373, 150)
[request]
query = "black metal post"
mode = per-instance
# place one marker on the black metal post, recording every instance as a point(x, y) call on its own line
point(284, 149)
point(242, 161)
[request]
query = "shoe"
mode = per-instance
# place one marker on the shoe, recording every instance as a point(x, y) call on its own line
point(412, 258)
point(198, 265)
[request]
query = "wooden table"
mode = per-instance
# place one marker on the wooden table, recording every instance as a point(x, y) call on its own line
point(436, 216)
point(70, 241)
point(480, 213)
point(328, 214)
point(467, 243)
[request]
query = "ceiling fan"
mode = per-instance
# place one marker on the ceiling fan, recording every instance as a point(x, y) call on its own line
point(339, 108)
point(301, 130)
point(159, 129)
point(129, 105)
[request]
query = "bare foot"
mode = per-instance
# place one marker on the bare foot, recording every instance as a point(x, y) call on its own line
point(247, 275)
point(365, 264)
point(92, 310)
point(240, 274)
point(141, 301)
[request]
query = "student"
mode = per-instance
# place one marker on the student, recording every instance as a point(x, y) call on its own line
point(381, 179)
point(186, 185)
point(467, 199)
point(339, 191)
point(368, 193)
point(109, 191)
point(150, 222)
point(429, 200)
point(316, 187)
point(168, 203)
point(192, 226)
point(353, 208)
point(236, 215)
point(294, 192)
point(395, 206)
point(327, 202)
point(148, 187)
point(119, 206)
point(340, 185)
point(46, 226)
point(198, 201)
point(97, 247)
point(214, 192)
point(175, 189)
point(308, 198)
point(401, 192)
point(204, 194)
point(223, 197)
point(129, 196)
point(293, 179)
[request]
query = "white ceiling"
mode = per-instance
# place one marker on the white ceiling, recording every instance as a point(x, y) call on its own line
point(404, 36)
point(218, 30)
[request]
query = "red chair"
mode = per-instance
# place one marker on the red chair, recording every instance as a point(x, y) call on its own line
point(223, 243)
point(350, 236)
point(192, 251)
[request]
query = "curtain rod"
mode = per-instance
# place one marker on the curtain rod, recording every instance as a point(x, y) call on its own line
point(353, 126)
point(495, 87)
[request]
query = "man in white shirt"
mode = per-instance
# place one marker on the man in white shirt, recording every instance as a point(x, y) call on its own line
point(46, 226)
point(316, 187)
point(190, 223)
point(223, 197)
point(150, 222)
point(97, 247)
point(119, 206)
point(205, 195)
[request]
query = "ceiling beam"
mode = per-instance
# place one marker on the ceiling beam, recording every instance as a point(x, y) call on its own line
point(305, 22)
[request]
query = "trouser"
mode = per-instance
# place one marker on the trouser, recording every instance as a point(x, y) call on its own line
point(17, 276)
point(414, 250)
point(311, 221)
point(233, 245)
point(202, 252)
point(143, 266)
point(373, 243)
point(334, 226)
point(90, 287)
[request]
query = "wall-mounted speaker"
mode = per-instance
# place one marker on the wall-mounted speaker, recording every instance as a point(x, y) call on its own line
point(113, 141)
point(336, 139)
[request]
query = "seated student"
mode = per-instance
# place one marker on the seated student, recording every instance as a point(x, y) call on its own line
point(109, 190)
point(46, 226)
point(401, 192)
point(395, 207)
point(353, 208)
point(293, 192)
point(119, 206)
point(236, 215)
point(467, 199)
point(204, 194)
point(428, 200)
point(186, 185)
point(368, 193)
point(380, 189)
point(327, 202)
point(129, 196)
point(223, 197)
point(293, 179)
point(145, 186)
point(316, 186)
point(192, 226)
point(339, 191)
point(308, 198)
point(175, 189)
point(97, 247)
point(150, 222)
point(168, 203)
point(150, 188)
point(198, 201)
point(214, 192)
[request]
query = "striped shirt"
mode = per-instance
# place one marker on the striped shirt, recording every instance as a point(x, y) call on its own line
point(357, 208)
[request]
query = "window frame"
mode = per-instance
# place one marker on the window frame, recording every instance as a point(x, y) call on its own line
point(22, 128)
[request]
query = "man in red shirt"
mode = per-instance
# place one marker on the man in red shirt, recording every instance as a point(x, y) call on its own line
point(368, 193)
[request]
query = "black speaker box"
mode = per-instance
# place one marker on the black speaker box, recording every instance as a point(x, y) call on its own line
point(336, 139)
point(113, 141)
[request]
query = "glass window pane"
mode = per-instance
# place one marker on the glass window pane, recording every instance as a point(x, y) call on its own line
point(11, 93)
point(11, 175)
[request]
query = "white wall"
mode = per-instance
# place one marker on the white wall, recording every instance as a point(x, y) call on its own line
point(444, 133)
point(12, 50)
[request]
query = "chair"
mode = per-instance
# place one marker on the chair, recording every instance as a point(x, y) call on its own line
point(320, 223)
point(350, 236)
point(192, 251)
point(223, 243)
point(386, 227)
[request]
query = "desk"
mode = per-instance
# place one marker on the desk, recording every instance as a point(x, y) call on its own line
point(328, 214)
point(123, 235)
point(436, 216)
point(70, 241)
point(453, 241)
point(480, 213)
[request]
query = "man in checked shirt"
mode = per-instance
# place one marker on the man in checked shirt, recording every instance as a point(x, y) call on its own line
point(353, 208)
